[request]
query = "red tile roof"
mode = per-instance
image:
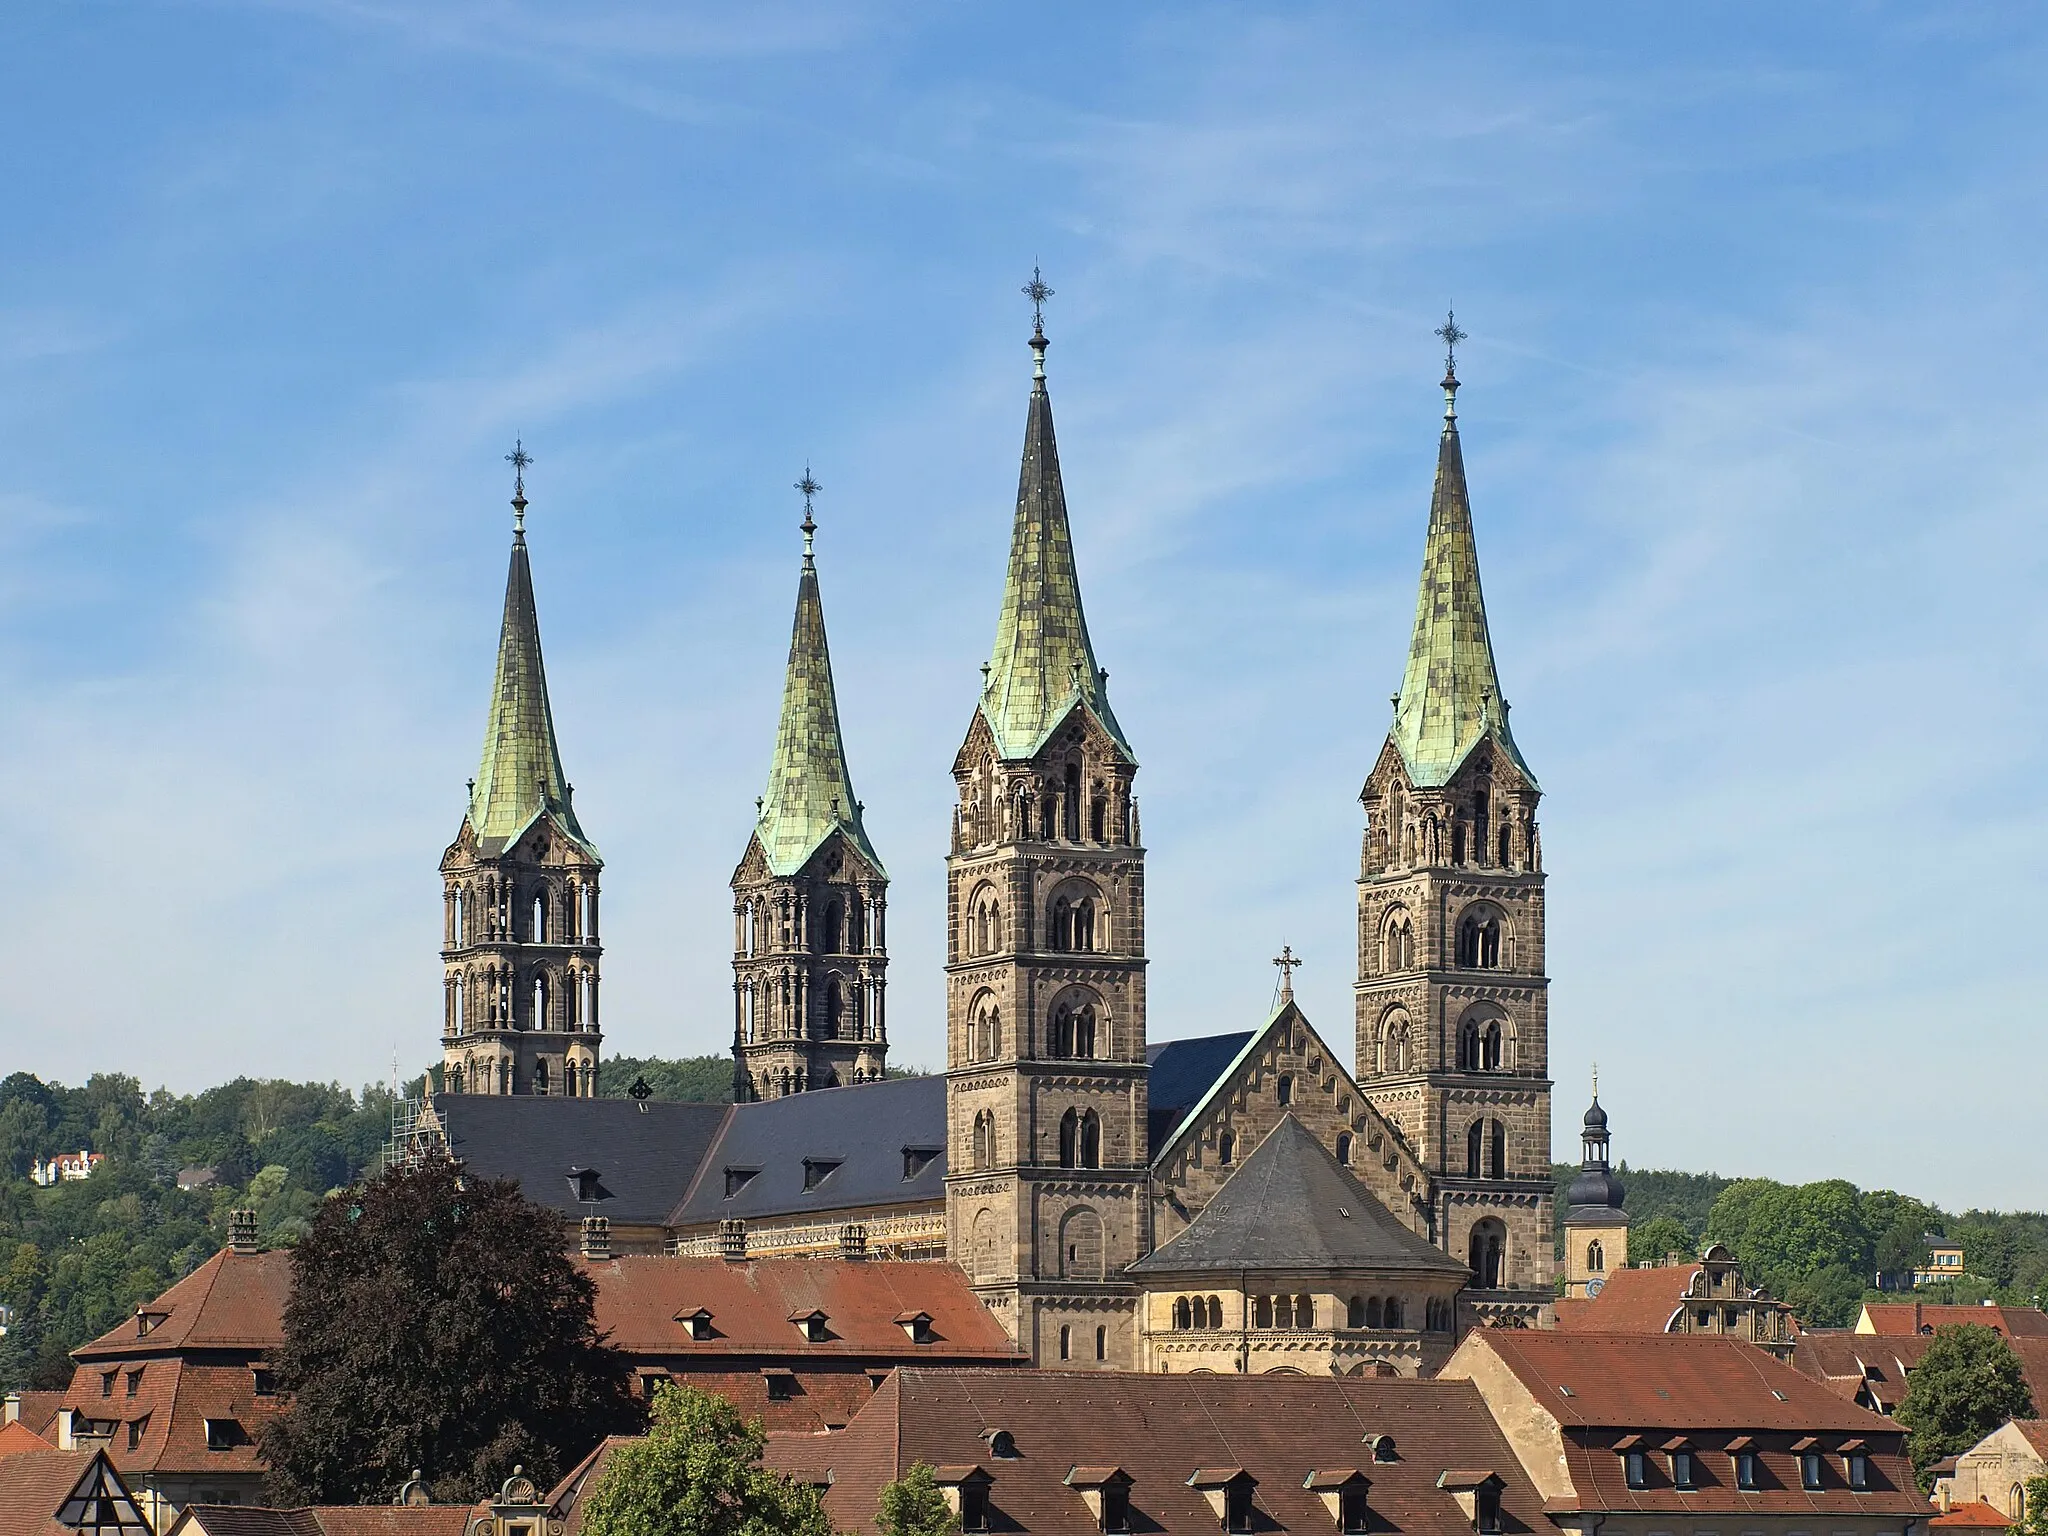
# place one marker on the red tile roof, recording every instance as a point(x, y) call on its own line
point(1854, 1365)
point(2034, 1431)
point(1673, 1381)
point(752, 1304)
point(234, 1301)
point(17, 1439)
point(172, 1403)
point(331, 1520)
point(1888, 1319)
point(1973, 1517)
point(39, 1410)
point(1161, 1430)
point(35, 1486)
point(1633, 1301)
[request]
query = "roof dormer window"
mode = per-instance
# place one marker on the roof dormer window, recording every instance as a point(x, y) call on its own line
point(696, 1322)
point(737, 1179)
point(917, 1325)
point(818, 1169)
point(917, 1159)
point(811, 1325)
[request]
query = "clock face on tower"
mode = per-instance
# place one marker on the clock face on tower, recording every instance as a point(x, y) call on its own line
point(1595, 1286)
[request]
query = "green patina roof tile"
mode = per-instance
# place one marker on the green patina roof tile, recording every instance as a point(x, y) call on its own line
point(521, 775)
point(810, 793)
point(1043, 663)
point(1450, 694)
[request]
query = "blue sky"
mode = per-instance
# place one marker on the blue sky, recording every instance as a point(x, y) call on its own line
point(1752, 415)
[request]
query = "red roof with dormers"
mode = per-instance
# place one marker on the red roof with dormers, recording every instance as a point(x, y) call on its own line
point(1889, 1319)
point(234, 1301)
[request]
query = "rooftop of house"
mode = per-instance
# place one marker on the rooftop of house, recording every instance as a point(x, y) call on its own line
point(1027, 1430)
point(636, 1158)
point(38, 1410)
point(1871, 1368)
point(1670, 1382)
point(325, 1520)
point(17, 1439)
point(870, 1309)
point(178, 1417)
point(234, 1301)
point(1891, 1319)
point(1974, 1516)
point(1290, 1205)
point(36, 1488)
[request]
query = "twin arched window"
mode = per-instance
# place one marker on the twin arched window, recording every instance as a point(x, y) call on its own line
point(1394, 1043)
point(1072, 1033)
point(1486, 1150)
point(1487, 1252)
point(1483, 1046)
point(1080, 1139)
point(1373, 1312)
point(985, 1032)
point(1073, 923)
point(1479, 938)
point(984, 923)
point(1399, 942)
point(1596, 1257)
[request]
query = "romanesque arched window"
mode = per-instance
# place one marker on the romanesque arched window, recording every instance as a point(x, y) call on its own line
point(1062, 923)
point(1070, 1034)
point(1468, 1046)
point(1391, 1317)
point(1596, 1257)
point(1496, 1150)
point(1070, 1139)
point(1475, 1148)
point(1182, 1314)
point(1394, 1042)
point(1491, 1052)
point(835, 1008)
point(1215, 1313)
point(539, 930)
point(1487, 1253)
point(540, 1001)
point(1344, 1148)
point(985, 1139)
point(1084, 924)
point(1091, 1140)
point(1397, 941)
point(1354, 1312)
point(1226, 1149)
point(1479, 938)
point(1283, 1091)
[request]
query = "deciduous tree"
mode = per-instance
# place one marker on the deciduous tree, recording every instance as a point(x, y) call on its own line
point(438, 1323)
point(698, 1472)
point(914, 1506)
point(1967, 1384)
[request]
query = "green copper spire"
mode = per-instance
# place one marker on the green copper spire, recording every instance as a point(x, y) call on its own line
point(810, 793)
point(1043, 663)
point(521, 774)
point(1450, 695)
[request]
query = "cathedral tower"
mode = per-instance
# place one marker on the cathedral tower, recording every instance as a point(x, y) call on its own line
point(519, 946)
point(1045, 972)
point(809, 897)
point(1452, 1001)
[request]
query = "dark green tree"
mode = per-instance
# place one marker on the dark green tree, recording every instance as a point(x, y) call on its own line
point(1967, 1384)
point(1650, 1241)
point(437, 1322)
point(698, 1472)
point(914, 1506)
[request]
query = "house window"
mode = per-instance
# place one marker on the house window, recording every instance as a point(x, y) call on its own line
point(781, 1387)
point(1681, 1469)
point(1352, 1513)
point(917, 1159)
point(1857, 1466)
point(1809, 1470)
point(137, 1428)
point(1488, 1501)
point(1596, 1257)
point(134, 1380)
point(266, 1381)
point(1066, 1343)
point(818, 1169)
point(1745, 1471)
point(1237, 1505)
point(1116, 1507)
point(1344, 1148)
point(973, 1507)
point(223, 1434)
point(107, 1383)
point(1635, 1468)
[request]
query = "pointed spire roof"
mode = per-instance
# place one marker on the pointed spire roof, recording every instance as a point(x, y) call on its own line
point(1292, 1205)
point(521, 776)
point(810, 793)
point(1450, 694)
point(1043, 663)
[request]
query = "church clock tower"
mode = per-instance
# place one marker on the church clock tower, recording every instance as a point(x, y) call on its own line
point(519, 946)
point(1452, 1000)
point(1045, 972)
point(810, 896)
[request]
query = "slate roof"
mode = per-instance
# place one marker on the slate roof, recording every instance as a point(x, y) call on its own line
point(1292, 1206)
point(864, 1127)
point(1450, 692)
point(521, 774)
point(810, 793)
point(1042, 664)
point(231, 1302)
point(639, 1298)
point(1160, 1430)
point(1182, 1073)
point(644, 1153)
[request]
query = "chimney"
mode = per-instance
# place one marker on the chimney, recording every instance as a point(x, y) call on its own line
point(67, 1437)
point(597, 1238)
point(853, 1240)
point(242, 1232)
point(13, 1409)
point(732, 1240)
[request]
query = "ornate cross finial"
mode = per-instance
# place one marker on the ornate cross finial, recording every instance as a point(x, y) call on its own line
point(1287, 961)
point(1596, 1082)
point(1037, 292)
point(810, 488)
point(518, 458)
point(1451, 337)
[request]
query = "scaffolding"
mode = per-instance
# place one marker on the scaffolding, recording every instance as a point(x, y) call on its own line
point(416, 1134)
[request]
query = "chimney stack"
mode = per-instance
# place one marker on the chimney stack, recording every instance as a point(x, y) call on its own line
point(732, 1240)
point(853, 1240)
point(242, 1232)
point(13, 1409)
point(597, 1238)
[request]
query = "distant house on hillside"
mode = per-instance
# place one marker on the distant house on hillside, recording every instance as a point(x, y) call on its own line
point(1944, 1262)
point(66, 1166)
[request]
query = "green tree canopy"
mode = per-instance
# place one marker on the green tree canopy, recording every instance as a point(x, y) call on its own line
point(1967, 1384)
point(698, 1472)
point(1649, 1242)
point(2034, 1521)
point(438, 1323)
point(914, 1506)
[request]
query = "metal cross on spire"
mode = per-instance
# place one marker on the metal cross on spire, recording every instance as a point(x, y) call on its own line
point(1287, 961)
point(810, 488)
point(1037, 292)
point(1451, 337)
point(518, 458)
